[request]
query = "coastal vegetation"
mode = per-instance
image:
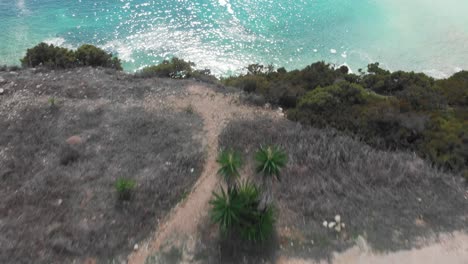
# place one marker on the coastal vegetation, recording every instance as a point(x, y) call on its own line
point(388, 110)
point(56, 57)
point(399, 110)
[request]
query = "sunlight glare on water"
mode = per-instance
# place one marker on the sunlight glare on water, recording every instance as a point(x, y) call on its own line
point(227, 35)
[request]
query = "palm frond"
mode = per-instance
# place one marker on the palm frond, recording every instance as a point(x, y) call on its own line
point(230, 161)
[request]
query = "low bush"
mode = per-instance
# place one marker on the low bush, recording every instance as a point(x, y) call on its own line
point(49, 56)
point(175, 68)
point(61, 58)
point(455, 89)
point(89, 55)
point(124, 188)
point(283, 87)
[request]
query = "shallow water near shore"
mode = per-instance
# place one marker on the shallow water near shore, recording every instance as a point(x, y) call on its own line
point(226, 35)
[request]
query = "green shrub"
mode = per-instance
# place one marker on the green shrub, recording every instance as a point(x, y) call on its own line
point(236, 212)
point(175, 68)
point(89, 55)
point(57, 57)
point(124, 188)
point(49, 56)
point(455, 89)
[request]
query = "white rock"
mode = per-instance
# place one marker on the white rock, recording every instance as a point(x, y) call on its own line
point(333, 51)
point(135, 247)
point(419, 200)
point(343, 225)
point(2, 91)
point(191, 170)
point(325, 224)
point(331, 225)
point(338, 228)
point(337, 218)
point(59, 201)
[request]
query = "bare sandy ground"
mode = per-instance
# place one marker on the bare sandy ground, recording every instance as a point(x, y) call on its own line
point(450, 249)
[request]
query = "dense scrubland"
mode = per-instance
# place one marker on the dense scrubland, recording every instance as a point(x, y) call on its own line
point(380, 149)
point(399, 110)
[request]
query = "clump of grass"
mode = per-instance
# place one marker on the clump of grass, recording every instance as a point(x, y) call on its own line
point(189, 109)
point(125, 188)
point(52, 102)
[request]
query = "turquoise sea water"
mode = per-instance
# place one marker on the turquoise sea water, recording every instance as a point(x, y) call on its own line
point(226, 35)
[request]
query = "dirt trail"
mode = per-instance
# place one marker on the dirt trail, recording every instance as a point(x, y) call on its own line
point(180, 227)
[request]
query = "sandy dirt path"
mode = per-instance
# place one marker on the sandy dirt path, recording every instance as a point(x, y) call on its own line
point(180, 227)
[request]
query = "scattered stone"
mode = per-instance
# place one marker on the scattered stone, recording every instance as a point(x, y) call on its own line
point(331, 225)
point(419, 199)
point(38, 86)
point(135, 247)
point(2, 80)
point(192, 170)
point(59, 202)
point(74, 140)
point(338, 228)
point(337, 218)
point(2, 91)
point(325, 224)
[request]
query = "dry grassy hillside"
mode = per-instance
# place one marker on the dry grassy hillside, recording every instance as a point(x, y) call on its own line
point(66, 137)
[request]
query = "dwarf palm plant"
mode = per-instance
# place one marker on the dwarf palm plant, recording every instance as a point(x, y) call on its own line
point(270, 160)
point(236, 212)
point(226, 210)
point(230, 162)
